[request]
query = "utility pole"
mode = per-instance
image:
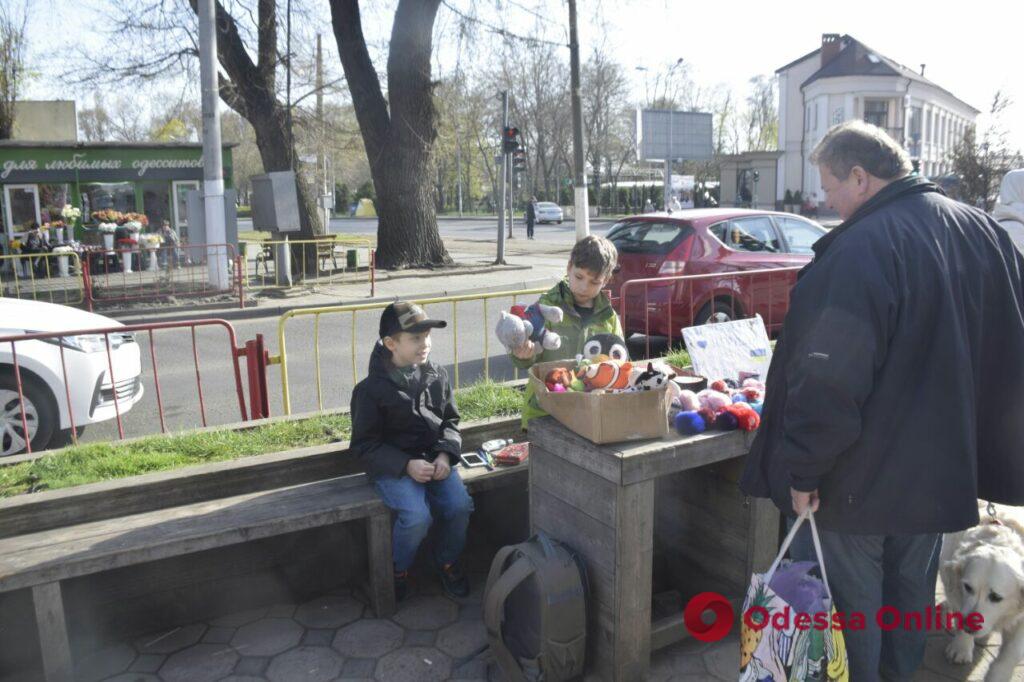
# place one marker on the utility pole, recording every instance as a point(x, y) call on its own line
point(581, 211)
point(510, 204)
point(213, 172)
point(321, 157)
point(500, 260)
point(668, 161)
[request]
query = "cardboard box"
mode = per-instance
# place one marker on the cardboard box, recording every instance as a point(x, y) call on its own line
point(607, 417)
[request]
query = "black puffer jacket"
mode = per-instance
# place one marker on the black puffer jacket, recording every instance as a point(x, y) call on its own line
point(395, 420)
point(893, 387)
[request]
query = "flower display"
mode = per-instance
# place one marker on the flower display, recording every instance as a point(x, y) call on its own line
point(107, 215)
point(15, 244)
point(107, 228)
point(139, 218)
point(151, 241)
point(62, 250)
point(70, 213)
point(132, 225)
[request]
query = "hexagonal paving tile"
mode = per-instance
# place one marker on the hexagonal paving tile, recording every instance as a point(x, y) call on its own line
point(105, 662)
point(426, 613)
point(414, 664)
point(462, 638)
point(147, 663)
point(239, 618)
point(358, 669)
point(368, 638)
point(242, 678)
point(133, 677)
point(172, 640)
point(199, 663)
point(329, 612)
point(305, 664)
point(267, 637)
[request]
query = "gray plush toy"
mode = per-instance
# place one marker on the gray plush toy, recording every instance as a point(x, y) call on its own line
point(528, 323)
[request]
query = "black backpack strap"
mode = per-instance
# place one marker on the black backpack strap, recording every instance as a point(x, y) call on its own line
point(494, 609)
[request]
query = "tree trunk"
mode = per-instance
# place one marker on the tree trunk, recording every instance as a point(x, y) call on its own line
point(398, 133)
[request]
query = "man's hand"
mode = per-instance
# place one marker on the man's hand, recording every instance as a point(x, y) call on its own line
point(803, 501)
point(419, 470)
point(525, 351)
point(442, 467)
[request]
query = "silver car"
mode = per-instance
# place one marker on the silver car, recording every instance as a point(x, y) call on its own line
point(548, 212)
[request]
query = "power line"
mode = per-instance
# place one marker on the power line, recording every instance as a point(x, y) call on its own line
point(503, 32)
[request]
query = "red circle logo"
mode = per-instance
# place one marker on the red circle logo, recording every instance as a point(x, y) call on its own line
point(716, 629)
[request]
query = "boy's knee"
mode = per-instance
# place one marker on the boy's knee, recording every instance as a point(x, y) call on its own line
point(418, 519)
point(460, 504)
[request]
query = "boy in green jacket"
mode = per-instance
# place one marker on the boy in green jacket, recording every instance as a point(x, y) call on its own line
point(586, 310)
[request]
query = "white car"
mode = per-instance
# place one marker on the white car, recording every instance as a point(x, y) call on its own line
point(42, 378)
point(548, 212)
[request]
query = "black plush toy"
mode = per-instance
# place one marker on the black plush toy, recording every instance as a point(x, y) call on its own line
point(600, 347)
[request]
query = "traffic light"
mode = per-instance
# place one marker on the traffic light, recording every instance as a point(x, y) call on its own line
point(519, 160)
point(510, 139)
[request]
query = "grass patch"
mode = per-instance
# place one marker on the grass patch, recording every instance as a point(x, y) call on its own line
point(105, 461)
point(678, 358)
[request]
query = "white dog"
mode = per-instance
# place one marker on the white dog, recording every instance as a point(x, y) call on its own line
point(982, 569)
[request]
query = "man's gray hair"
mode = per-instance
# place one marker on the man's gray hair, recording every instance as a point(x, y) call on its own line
point(856, 143)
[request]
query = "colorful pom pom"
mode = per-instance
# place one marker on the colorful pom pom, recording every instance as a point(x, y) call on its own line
point(726, 421)
point(689, 423)
point(718, 385)
point(688, 401)
point(757, 407)
point(708, 415)
point(714, 400)
point(556, 388)
point(739, 398)
point(747, 419)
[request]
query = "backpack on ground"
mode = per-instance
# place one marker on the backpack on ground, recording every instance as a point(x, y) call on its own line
point(535, 610)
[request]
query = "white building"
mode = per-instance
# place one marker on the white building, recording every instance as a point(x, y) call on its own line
point(845, 79)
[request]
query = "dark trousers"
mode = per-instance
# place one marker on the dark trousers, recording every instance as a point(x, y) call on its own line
point(867, 572)
point(529, 229)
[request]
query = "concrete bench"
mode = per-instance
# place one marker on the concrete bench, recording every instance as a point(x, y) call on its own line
point(55, 550)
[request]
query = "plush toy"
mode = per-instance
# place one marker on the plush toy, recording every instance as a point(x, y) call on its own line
point(559, 380)
point(739, 398)
point(747, 419)
point(688, 401)
point(726, 421)
point(650, 379)
point(714, 400)
point(690, 423)
point(527, 323)
point(601, 347)
point(612, 375)
point(577, 385)
point(757, 407)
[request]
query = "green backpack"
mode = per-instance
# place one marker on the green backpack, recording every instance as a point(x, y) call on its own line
point(535, 610)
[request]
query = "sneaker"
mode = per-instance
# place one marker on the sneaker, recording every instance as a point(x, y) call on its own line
point(401, 585)
point(454, 580)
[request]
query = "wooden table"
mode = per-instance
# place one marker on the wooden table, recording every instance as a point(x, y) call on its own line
point(601, 501)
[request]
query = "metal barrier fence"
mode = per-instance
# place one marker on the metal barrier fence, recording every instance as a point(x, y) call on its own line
point(124, 275)
point(686, 300)
point(311, 262)
point(49, 277)
point(54, 383)
point(318, 313)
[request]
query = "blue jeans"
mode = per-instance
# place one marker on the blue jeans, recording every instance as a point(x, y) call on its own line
point(866, 572)
point(417, 505)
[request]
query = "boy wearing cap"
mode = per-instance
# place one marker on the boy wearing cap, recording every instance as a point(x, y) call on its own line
point(405, 430)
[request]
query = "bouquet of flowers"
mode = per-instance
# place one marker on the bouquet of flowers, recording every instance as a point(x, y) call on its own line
point(70, 214)
point(132, 225)
point(107, 215)
point(107, 228)
point(15, 244)
point(151, 241)
point(62, 250)
point(139, 218)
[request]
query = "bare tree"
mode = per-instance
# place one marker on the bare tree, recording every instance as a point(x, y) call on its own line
point(606, 90)
point(762, 115)
point(12, 66)
point(980, 163)
point(158, 39)
point(399, 130)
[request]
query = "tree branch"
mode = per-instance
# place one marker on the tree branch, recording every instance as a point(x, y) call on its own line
point(363, 82)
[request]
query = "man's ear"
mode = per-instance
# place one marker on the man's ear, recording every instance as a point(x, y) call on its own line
point(861, 176)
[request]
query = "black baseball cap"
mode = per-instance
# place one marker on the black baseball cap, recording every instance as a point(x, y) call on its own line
point(403, 316)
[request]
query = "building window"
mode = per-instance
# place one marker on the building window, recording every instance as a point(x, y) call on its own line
point(156, 202)
point(52, 199)
point(96, 196)
point(876, 112)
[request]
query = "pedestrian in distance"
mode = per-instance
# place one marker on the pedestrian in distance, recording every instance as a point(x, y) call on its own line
point(883, 411)
point(405, 431)
point(531, 216)
point(648, 206)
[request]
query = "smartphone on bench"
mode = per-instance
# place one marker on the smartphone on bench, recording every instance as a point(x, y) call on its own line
point(473, 459)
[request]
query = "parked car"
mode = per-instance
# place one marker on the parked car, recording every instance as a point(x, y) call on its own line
point(46, 394)
point(548, 212)
point(703, 241)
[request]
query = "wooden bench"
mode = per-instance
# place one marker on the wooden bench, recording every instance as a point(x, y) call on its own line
point(50, 537)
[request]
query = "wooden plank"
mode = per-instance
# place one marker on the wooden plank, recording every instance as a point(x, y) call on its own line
point(574, 485)
point(634, 552)
point(549, 434)
point(89, 548)
point(668, 630)
point(381, 568)
point(53, 634)
point(762, 535)
point(111, 499)
point(592, 539)
point(653, 460)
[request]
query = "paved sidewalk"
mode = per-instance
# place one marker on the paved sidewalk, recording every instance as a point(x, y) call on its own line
point(336, 637)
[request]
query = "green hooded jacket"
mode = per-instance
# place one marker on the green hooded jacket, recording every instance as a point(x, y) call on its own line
point(573, 333)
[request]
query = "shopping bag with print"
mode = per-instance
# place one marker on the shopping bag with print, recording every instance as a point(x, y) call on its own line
point(776, 645)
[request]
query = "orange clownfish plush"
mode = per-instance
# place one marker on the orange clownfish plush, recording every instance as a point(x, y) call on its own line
point(610, 375)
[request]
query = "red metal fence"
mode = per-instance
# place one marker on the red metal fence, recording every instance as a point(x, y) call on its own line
point(667, 304)
point(97, 353)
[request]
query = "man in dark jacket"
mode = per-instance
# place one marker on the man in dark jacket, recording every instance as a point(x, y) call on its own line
point(405, 429)
point(885, 407)
point(531, 216)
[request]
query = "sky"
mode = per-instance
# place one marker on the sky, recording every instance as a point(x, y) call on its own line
point(971, 50)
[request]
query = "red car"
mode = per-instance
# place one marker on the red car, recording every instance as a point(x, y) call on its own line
point(704, 241)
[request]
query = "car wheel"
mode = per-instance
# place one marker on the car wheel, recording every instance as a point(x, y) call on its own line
point(559, 222)
point(40, 415)
point(717, 311)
